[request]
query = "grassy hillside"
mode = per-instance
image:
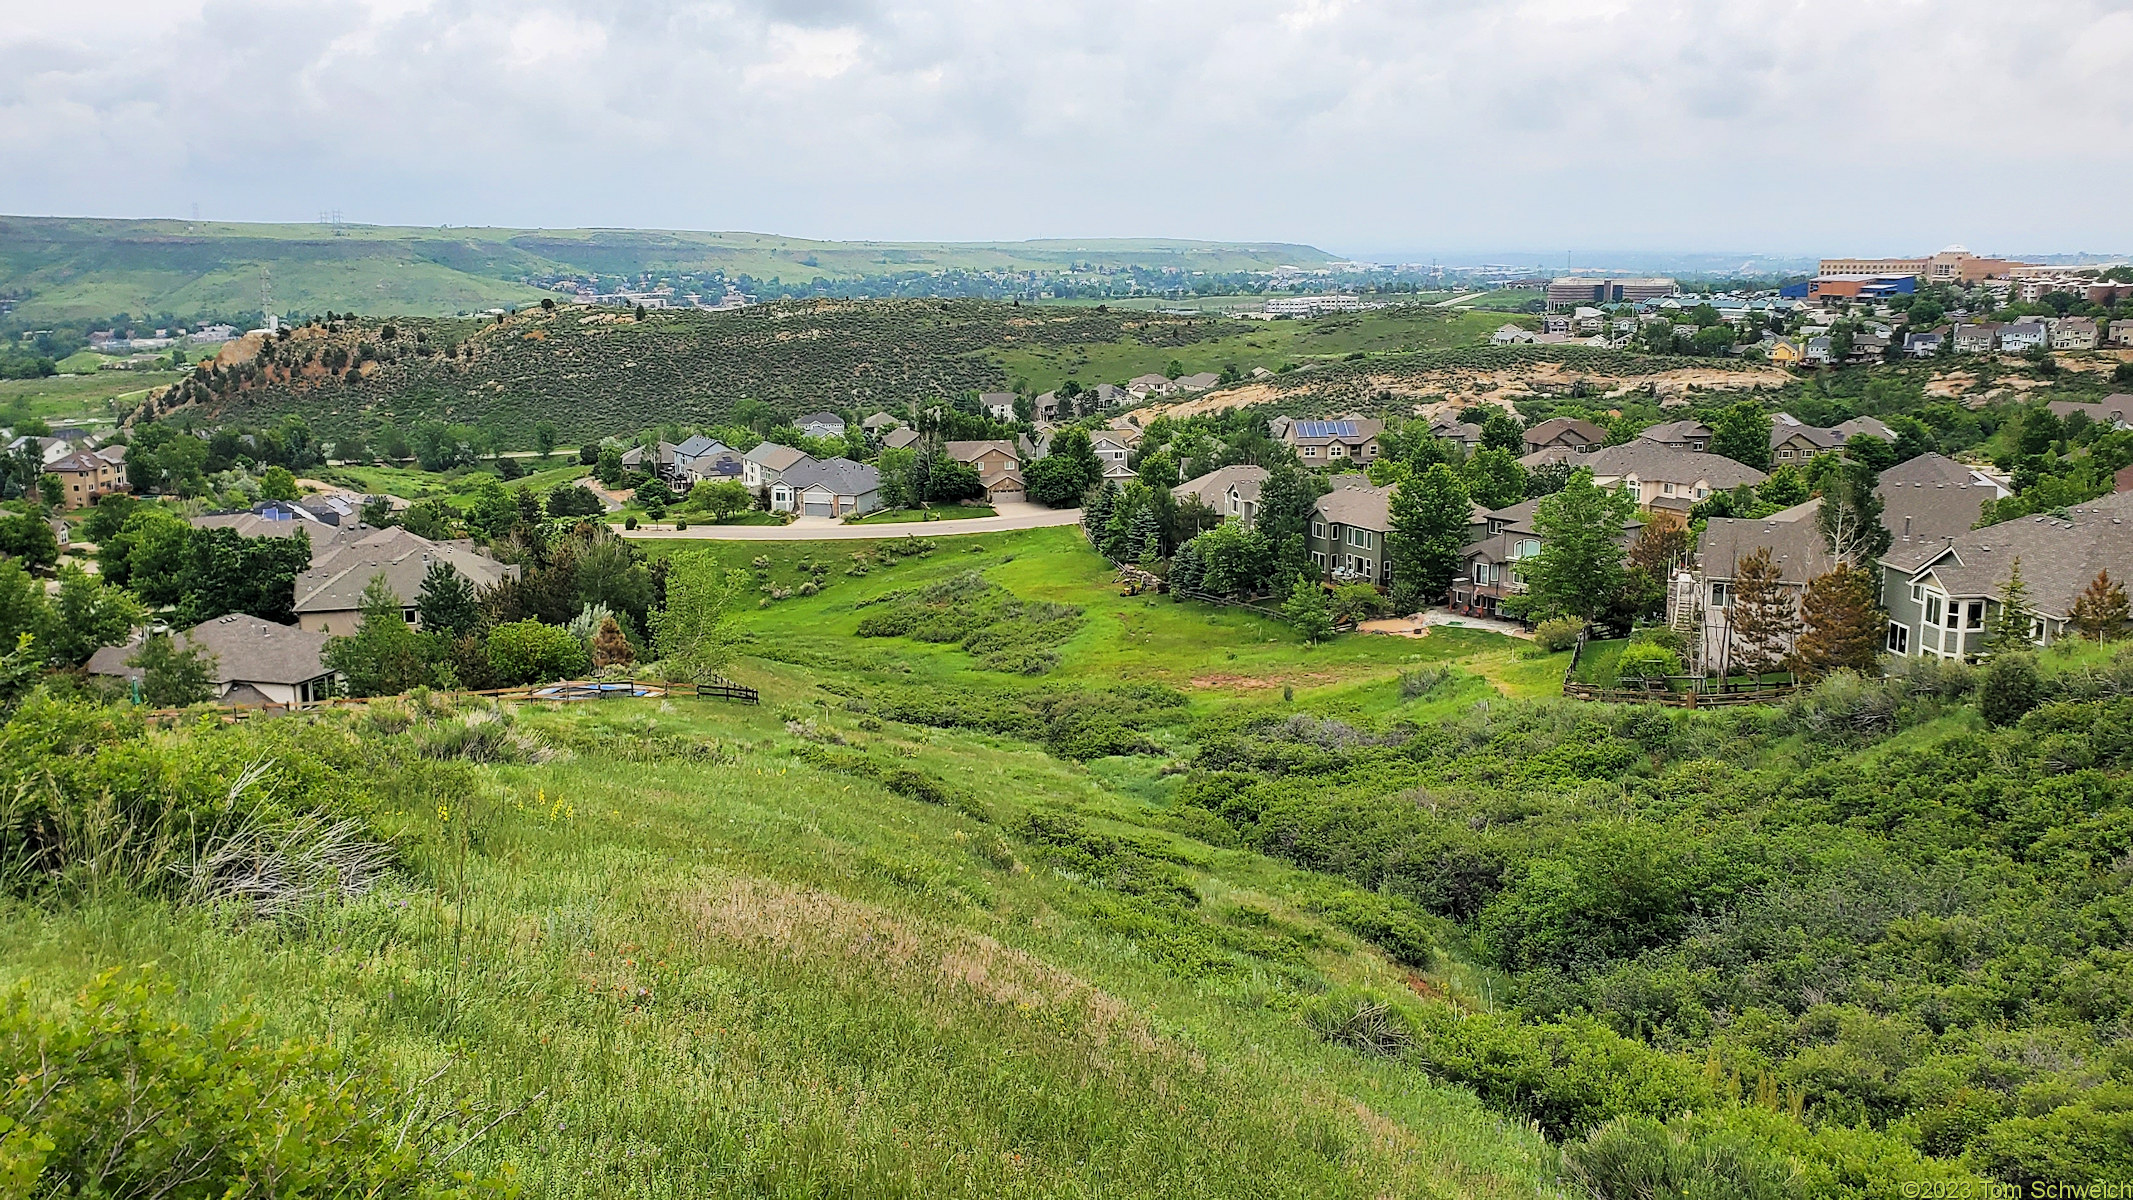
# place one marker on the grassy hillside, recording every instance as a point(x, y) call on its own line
point(70, 268)
point(808, 949)
point(603, 372)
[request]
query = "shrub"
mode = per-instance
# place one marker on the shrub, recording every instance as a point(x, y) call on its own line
point(108, 1097)
point(1558, 634)
point(2008, 687)
point(1417, 682)
point(524, 652)
point(1646, 660)
point(1359, 1022)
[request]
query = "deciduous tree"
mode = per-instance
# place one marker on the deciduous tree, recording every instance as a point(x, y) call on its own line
point(1742, 433)
point(1579, 569)
point(173, 675)
point(1429, 523)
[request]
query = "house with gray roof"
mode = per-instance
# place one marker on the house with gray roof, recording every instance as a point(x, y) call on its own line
point(1231, 491)
point(1491, 566)
point(1198, 382)
point(878, 422)
point(2111, 410)
point(1451, 429)
point(1793, 538)
point(1933, 498)
point(256, 663)
point(1349, 526)
point(1000, 406)
point(2019, 337)
point(767, 463)
point(1692, 435)
point(1568, 433)
point(1941, 599)
point(329, 595)
point(830, 487)
point(819, 424)
point(1663, 478)
point(897, 439)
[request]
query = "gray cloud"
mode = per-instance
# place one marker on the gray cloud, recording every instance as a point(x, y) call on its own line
point(1434, 124)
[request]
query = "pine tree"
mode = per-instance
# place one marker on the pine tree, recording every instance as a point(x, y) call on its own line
point(2009, 630)
point(1763, 623)
point(611, 648)
point(447, 603)
point(1096, 515)
point(1143, 529)
point(1841, 626)
point(2101, 612)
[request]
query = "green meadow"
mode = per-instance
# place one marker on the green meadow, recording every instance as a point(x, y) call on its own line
point(690, 947)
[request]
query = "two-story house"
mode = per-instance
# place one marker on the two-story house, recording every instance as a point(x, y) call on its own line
point(1943, 599)
point(1975, 339)
point(1230, 491)
point(1339, 440)
point(819, 424)
point(999, 468)
point(2074, 333)
point(2020, 337)
point(1349, 526)
point(1491, 566)
point(1114, 447)
point(767, 463)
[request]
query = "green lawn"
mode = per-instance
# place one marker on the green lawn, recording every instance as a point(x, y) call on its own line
point(943, 512)
point(453, 487)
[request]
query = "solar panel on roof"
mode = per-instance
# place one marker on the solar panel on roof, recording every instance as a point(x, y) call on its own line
point(1319, 429)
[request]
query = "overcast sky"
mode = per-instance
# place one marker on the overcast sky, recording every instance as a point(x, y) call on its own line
point(1774, 126)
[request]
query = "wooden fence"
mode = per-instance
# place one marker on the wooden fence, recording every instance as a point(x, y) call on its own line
point(1678, 691)
point(565, 692)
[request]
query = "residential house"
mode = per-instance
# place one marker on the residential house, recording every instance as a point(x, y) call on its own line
point(1691, 435)
point(1819, 352)
point(713, 462)
point(1569, 433)
point(1868, 348)
point(999, 468)
point(1231, 491)
point(1664, 479)
point(1140, 387)
point(1975, 339)
point(1341, 440)
point(1863, 427)
point(1923, 345)
point(820, 424)
point(767, 463)
point(1031, 449)
point(878, 422)
point(1941, 599)
point(830, 487)
point(1786, 353)
point(2111, 410)
point(897, 439)
point(1199, 382)
point(2074, 333)
point(1349, 526)
point(1932, 498)
point(1453, 430)
point(1113, 448)
point(279, 518)
point(1794, 441)
point(1000, 406)
point(256, 663)
point(84, 477)
point(329, 595)
point(1490, 566)
point(2018, 337)
point(1047, 407)
point(1510, 335)
point(1797, 549)
point(1110, 395)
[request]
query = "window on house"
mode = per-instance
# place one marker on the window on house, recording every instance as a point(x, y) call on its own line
point(1318, 559)
point(1976, 615)
point(1933, 610)
point(1720, 594)
point(1899, 638)
point(1918, 593)
point(1318, 530)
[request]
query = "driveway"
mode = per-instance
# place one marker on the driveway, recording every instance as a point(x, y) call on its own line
point(823, 529)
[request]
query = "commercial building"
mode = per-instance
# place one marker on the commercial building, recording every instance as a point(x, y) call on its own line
point(1955, 265)
point(1570, 291)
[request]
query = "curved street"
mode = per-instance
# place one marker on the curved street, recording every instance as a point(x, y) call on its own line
point(823, 529)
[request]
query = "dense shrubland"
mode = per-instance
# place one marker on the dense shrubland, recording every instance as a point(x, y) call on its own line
point(1870, 914)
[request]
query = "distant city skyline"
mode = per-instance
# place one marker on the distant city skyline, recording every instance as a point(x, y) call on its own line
point(1814, 127)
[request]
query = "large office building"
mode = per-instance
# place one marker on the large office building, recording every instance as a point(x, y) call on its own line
point(1574, 290)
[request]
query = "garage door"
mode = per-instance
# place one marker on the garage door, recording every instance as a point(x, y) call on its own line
point(821, 508)
point(1008, 496)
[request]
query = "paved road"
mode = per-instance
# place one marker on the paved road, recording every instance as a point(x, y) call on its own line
point(812, 529)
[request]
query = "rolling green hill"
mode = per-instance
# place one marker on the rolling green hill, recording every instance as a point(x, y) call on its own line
point(80, 268)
